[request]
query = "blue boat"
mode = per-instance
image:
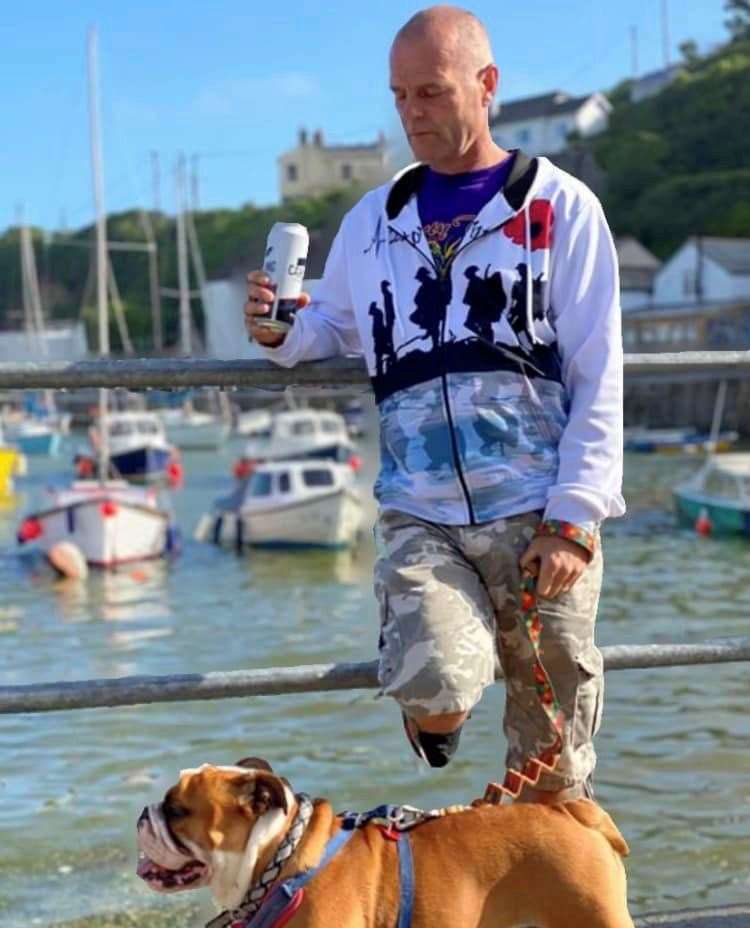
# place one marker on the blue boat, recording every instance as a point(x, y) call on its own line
point(137, 447)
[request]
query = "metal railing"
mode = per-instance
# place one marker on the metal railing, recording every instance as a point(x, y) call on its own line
point(178, 373)
point(312, 678)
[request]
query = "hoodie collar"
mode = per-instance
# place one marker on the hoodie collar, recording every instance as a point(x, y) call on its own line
point(514, 192)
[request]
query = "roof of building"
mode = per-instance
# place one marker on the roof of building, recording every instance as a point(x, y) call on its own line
point(733, 254)
point(549, 104)
point(631, 254)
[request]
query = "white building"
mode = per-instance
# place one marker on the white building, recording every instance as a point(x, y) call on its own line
point(638, 269)
point(541, 125)
point(705, 270)
point(314, 168)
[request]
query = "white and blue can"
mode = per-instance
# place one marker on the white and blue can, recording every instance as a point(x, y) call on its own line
point(284, 262)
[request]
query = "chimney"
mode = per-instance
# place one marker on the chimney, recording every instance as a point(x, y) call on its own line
point(303, 137)
point(318, 138)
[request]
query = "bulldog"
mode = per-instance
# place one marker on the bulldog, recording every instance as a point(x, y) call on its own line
point(242, 831)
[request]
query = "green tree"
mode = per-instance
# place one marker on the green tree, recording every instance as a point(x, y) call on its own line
point(739, 22)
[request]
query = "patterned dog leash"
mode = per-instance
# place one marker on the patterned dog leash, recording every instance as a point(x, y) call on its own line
point(546, 761)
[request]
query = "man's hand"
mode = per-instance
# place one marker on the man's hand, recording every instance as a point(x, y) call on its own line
point(556, 562)
point(259, 300)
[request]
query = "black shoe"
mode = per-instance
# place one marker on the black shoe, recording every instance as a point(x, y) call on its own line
point(434, 749)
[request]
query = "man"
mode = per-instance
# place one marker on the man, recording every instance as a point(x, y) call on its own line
point(498, 455)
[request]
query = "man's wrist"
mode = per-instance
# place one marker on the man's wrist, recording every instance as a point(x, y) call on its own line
point(569, 531)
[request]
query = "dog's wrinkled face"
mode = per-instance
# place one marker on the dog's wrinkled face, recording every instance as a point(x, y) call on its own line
point(200, 834)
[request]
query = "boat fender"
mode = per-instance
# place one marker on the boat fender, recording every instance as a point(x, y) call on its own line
point(68, 560)
point(30, 530)
point(703, 525)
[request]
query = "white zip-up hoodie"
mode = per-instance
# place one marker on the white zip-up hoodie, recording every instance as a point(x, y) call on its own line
point(499, 381)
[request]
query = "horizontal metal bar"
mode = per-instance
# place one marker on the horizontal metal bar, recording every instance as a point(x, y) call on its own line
point(311, 678)
point(140, 373)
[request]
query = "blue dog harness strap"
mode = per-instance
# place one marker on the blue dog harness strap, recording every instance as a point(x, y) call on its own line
point(406, 875)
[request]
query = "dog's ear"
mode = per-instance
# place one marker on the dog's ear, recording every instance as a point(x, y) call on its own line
point(254, 763)
point(265, 792)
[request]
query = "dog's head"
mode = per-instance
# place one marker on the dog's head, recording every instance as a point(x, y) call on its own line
point(211, 827)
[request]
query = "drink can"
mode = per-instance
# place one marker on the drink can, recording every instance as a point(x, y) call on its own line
point(284, 262)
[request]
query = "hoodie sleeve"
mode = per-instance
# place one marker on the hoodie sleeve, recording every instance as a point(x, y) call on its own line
point(327, 326)
point(585, 298)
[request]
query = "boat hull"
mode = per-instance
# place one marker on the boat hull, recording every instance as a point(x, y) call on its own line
point(107, 530)
point(145, 463)
point(42, 444)
point(332, 520)
point(209, 436)
point(722, 518)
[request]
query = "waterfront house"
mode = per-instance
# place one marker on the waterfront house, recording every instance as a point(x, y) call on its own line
point(541, 125)
point(638, 269)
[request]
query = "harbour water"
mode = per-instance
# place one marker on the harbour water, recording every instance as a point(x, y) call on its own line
point(674, 768)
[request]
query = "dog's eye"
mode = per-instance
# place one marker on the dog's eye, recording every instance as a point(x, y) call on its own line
point(172, 811)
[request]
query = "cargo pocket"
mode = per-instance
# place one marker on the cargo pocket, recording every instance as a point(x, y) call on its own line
point(589, 700)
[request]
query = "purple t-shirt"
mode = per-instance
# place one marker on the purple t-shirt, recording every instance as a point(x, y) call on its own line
point(447, 203)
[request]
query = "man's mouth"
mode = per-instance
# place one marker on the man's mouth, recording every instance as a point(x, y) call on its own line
point(163, 880)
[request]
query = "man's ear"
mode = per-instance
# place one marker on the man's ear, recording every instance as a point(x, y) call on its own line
point(254, 763)
point(266, 792)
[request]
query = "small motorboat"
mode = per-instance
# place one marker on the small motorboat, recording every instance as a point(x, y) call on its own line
point(676, 441)
point(109, 522)
point(717, 498)
point(137, 449)
point(288, 504)
point(354, 416)
point(35, 436)
point(299, 434)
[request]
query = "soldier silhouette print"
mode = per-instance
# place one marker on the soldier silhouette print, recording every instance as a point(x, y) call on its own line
point(431, 301)
point(485, 297)
point(517, 316)
point(382, 340)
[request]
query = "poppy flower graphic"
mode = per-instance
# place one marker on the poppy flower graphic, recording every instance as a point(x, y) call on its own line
point(541, 219)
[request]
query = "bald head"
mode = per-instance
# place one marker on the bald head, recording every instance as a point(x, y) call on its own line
point(450, 31)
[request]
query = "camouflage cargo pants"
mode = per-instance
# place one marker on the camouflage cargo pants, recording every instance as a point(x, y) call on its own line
point(449, 605)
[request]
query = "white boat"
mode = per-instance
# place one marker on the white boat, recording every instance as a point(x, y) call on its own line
point(288, 504)
point(190, 428)
point(297, 434)
point(137, 447)
point(111, 523)
point(717, 498)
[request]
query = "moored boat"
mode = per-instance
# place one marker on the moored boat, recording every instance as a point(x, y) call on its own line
point(110, 522)
point(676, 441)
point(288, 504)
point(192, 429)
point(137, 449)
point(717, 498)
point(299, 434)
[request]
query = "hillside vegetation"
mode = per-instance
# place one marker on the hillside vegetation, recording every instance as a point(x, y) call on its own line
point(677, 163)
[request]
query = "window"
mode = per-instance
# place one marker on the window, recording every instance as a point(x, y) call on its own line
point(148, 428)
point(260, 484)
point(346, 171)
point(291, 172)
point(285, 482)
point(330, 426)
point(305, 427)
point(317, 478)
point(120, 428)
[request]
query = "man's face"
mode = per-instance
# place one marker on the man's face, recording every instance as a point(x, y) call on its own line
point(441, 102)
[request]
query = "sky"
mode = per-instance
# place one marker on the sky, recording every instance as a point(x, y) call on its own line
point(230, 83)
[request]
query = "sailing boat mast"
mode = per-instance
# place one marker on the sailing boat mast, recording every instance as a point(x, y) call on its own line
point(101, 236)
point(182, 260)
